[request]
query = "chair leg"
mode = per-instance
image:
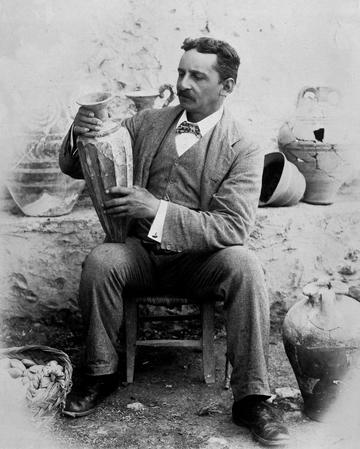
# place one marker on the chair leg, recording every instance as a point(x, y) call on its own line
point(228, 370)
point(208, 346)
point(130, 311)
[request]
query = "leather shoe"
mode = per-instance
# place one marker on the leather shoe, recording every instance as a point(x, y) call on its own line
point(92, 390)
point(263, 422)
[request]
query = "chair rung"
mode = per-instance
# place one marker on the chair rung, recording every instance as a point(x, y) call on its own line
point(169, 301)
point(205, 343)
point(170, 343)
point(170, 317)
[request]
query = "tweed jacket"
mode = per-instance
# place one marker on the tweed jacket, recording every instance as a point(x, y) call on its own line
point(229, 189)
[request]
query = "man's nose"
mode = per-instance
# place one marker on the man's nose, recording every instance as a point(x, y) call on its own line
point(184, 83)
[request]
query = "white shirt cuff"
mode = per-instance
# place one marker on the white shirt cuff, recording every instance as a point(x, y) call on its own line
point(157, 226)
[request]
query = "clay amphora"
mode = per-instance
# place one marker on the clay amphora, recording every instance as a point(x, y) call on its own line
point(321, 336)
point(313, 143)
point(106, 161)
point(145, 99)
point(317, 114)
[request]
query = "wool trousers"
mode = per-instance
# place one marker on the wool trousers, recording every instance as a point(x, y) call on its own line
point(232, 274)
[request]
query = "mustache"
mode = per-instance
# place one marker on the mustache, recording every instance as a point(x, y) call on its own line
point(184, 93)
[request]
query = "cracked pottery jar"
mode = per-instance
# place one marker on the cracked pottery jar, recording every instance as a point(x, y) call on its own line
point(313, 142)
point(106, 161)
point(321, 336)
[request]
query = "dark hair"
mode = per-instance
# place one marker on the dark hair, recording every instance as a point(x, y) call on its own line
point(228, 60)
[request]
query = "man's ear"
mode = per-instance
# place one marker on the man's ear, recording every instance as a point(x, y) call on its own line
point(227, 87)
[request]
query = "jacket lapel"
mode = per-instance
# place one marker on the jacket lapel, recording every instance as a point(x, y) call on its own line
point(155, 129)
point(219, 157)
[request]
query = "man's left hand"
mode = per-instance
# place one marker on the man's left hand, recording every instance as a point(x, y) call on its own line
point(135, 202)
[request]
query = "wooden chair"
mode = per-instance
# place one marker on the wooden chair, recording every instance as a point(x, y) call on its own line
point(206, 341)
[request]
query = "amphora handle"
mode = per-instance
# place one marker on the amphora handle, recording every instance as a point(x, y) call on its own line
point(171, 96)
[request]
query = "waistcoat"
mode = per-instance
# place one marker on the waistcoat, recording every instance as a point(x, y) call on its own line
point(173, 178)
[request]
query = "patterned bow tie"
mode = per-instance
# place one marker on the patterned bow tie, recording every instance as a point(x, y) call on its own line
point(187, 127)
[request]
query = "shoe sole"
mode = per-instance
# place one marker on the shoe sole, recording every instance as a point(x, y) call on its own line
point(271, 443)
point(77, 414)
point(70, 414)
point(258, 438)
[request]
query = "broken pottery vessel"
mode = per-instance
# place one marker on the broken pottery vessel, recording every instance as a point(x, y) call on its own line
point(282, 182)
point(314, 142)
point(106, 161)
point(321, 336)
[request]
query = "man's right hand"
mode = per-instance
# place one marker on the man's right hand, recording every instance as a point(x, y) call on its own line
point(86, 123)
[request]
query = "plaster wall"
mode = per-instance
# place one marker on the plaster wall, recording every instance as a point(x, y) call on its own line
point(41, 257)
point(52, 51)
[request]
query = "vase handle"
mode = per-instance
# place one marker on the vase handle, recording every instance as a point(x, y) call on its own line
point(322, 94)
point(307, 90)
point(171, 96)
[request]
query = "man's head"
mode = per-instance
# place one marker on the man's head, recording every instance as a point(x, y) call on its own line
point(228, 61)
point(207, 73)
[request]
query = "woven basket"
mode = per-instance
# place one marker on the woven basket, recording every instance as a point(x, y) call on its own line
point(47, 373)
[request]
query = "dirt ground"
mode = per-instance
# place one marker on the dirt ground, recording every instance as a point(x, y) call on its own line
point(177, 409)
point(173, 406)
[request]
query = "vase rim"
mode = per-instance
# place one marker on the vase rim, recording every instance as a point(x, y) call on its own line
point(142, 93)
point(94, 99)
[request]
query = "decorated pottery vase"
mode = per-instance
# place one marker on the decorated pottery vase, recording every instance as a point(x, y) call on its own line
point(106, 161)
point(36, 183)
point(145, 99)
point(34, 179)
point(321, 336)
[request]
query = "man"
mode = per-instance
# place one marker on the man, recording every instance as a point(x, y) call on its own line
point(192, 207)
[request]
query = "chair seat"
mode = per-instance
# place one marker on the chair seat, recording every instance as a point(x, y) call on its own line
point(206, 342)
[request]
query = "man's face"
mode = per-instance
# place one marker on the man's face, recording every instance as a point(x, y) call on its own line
point(198, 84)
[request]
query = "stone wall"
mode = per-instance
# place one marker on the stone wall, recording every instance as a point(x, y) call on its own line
point(41, 257)
point(41, 260)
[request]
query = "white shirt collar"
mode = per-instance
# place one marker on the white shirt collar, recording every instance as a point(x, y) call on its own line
point(206, 123)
